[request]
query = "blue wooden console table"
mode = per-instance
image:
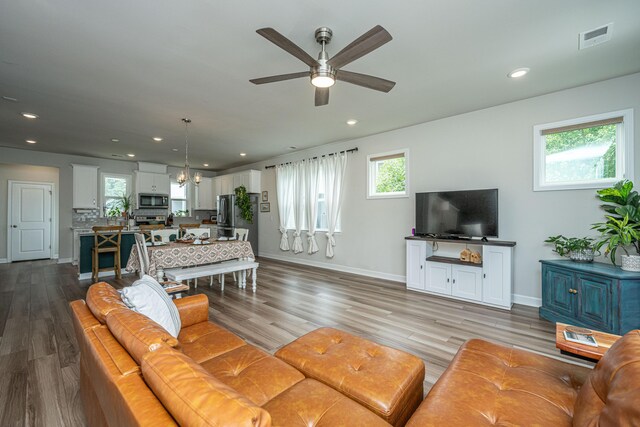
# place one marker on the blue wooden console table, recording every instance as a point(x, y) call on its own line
point(594, 295)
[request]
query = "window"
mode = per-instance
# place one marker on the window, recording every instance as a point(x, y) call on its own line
point(388, 174)
point(114, 186)
point(179, 199)
point(322, 221)
point(589, 152)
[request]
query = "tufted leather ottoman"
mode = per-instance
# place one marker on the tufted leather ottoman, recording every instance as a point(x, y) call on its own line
point(388, 382)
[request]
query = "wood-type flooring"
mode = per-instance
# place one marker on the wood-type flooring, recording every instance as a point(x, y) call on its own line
point(39, 354)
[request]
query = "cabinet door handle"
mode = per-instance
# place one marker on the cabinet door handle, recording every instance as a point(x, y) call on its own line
point(420, 267)
point(484, 276)
point(454, 280)
point(572, 291)
point(447, 280)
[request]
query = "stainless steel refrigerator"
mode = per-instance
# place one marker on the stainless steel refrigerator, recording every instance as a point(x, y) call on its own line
point(229, 218)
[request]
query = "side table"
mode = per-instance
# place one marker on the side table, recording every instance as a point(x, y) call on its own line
point(593, 354)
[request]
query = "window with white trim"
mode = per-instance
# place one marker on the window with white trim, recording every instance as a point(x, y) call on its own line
point(588, 152)
point(113, 187)
point(179, 199)
point(388, 174)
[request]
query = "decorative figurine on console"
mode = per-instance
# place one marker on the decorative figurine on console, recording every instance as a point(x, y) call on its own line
point(465, 255)
point(476, 258)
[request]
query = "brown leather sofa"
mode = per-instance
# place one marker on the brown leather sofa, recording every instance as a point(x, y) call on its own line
point(134, 373)
point(488, 384)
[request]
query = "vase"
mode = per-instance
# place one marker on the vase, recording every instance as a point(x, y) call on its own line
point(582, 255)
point(630, 262)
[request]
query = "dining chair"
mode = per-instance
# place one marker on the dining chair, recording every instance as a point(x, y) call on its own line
point(147, 228)
point(163, 236)
point(143, 255)
point(239, 234)
point(106, 239)
point(183, 228)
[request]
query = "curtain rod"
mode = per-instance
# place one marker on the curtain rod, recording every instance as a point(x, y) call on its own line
point(351, 150)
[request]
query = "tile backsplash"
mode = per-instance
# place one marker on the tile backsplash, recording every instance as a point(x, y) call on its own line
point(86, 218)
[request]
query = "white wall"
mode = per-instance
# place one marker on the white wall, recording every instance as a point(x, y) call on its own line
point(9, 157)
point(24, 173)
point(481, 149)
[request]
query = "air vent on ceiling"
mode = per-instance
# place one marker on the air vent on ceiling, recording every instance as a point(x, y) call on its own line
point(595, 36)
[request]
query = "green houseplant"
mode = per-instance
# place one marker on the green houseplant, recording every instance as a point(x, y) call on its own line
point(579, 249)
point(620, 233)
point(622, 228)
point(125, 203)
point(243, 201)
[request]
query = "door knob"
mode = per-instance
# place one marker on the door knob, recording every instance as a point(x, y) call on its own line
point(14, 226)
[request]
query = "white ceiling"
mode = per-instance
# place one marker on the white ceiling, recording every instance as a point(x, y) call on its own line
point(94, 70)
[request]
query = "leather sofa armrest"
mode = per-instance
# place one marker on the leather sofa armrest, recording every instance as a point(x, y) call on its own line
point(193, 309)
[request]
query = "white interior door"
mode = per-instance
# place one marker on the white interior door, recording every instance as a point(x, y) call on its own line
point(30, 221)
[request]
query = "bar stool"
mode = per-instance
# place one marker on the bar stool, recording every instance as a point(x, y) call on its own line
point(106, 239)
point(183, 228)
point(147, 228)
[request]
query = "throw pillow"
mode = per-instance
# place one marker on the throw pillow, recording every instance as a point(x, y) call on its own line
point(148, 297)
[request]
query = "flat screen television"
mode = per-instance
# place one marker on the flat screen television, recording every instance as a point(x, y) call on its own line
point(457, 214)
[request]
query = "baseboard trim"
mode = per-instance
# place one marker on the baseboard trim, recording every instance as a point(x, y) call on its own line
point(4, 261)
point(527, 300)
point(64, 260)
point(337, 267)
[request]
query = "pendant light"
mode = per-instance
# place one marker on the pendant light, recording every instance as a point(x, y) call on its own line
point(184, 177)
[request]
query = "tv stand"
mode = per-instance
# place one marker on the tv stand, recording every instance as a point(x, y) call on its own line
point(438, 270)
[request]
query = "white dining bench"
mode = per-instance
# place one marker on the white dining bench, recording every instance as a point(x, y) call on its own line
point(188, 273)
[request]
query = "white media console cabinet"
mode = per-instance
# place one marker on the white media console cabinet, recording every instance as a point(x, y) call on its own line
point(434, 266)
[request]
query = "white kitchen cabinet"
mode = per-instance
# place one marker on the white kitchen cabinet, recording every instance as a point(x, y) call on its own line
point(204, 195)
point(225, 184)
point(249, 178)
point(416, 254)
point(489, 283)
point(147, 182)
point(85, 187)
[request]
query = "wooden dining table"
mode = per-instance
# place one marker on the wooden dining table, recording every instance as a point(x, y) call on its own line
point(175, 254)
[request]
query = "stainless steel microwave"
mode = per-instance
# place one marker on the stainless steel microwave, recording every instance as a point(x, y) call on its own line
point(152, 200)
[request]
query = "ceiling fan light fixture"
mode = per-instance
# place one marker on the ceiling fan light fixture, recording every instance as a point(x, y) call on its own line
point(322, 79)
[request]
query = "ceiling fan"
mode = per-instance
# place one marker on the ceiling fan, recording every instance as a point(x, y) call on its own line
point(325, 71)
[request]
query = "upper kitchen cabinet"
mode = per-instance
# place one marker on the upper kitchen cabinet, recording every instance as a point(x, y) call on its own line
point(250, 179)
point(205, 199)
point(147, 182)
point(85, 187)
point(224, 184)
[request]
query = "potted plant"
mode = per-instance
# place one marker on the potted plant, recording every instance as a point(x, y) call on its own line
point(620, 233)
point(576, 248)
point(243, 201)
point(622, 228)
point(125, 203)
point(112, 214)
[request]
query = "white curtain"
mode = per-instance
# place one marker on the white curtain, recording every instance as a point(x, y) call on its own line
point(298, 200)
point(334, 168)
point(312, 173)
point(285, 202)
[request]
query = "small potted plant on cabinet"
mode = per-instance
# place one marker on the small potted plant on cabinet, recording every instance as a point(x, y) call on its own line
point(620, 233)
point(576, 248)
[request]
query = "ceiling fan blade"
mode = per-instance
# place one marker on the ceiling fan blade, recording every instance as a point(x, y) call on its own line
point(364, 80)
point(322, 96)
point(284, 43)
point(279, 78)
point(368, 42)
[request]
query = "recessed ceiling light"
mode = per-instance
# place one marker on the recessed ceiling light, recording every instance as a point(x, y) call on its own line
point(206, 165)
point(243, 154)
point(115, 140)
point(31, 141)
point(131, 155)
point(10, 99)
point(174, 149)
point(157, 139)
point(352, 122)
point(29, 115)
point(518, 72)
